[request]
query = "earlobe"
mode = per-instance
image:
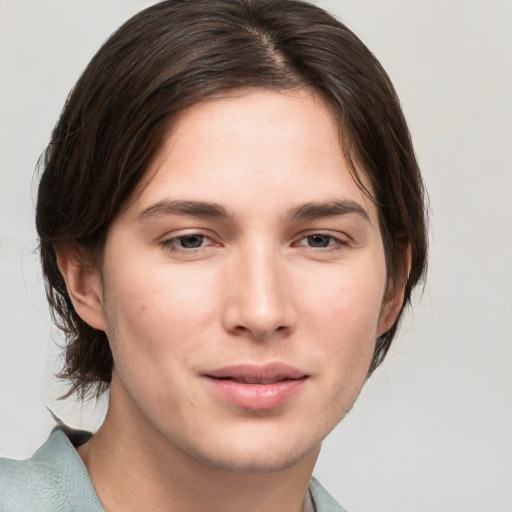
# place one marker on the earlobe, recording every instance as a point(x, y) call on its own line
point(84, 286)
point(390, 311)
point(394, 300)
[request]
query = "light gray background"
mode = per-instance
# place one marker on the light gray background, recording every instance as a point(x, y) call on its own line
point(432, 429)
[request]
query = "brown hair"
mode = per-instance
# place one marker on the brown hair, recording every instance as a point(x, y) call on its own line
point(175, 54)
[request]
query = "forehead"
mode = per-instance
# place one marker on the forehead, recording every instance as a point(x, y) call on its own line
point(256, 145)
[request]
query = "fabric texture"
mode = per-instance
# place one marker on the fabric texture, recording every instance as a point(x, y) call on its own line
point(55, 479)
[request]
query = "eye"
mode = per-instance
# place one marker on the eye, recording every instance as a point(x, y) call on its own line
point(187, 242)
point(321, 241)
point(190, 241)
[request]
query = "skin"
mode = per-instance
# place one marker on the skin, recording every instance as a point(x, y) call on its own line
point(181, 294)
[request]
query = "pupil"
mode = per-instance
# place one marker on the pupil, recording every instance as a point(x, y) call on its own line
point(191, 241)
point(318, 240)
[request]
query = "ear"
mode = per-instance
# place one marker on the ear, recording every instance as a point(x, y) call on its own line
point(84, 286)
point(394, 299)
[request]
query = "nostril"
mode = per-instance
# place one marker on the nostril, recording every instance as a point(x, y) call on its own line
point(245, 316)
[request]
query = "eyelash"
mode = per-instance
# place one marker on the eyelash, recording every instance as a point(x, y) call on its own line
point(172, 243)
point(332, 243)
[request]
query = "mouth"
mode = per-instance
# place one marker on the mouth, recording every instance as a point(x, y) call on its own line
point(257, 387)
point(257, 380)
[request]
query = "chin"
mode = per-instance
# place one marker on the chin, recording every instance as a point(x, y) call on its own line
point(258, 463)
point(253, 455)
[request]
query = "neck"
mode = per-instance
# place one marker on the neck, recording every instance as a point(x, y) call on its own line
point(132, 468)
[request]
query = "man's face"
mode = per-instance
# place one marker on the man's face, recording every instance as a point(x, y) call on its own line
point(243, 289)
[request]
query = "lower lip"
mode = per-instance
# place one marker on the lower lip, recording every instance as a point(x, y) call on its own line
point(257, 396)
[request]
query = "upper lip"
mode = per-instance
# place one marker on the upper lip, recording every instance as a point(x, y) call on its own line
point(258, 374)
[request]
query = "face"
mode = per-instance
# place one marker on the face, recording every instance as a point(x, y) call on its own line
point(243, 289)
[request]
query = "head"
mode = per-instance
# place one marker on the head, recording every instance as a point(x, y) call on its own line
point(157, 69)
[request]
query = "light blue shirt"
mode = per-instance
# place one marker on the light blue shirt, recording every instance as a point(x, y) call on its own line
point(55, 479)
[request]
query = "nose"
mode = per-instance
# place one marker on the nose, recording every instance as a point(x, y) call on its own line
point(259, 301)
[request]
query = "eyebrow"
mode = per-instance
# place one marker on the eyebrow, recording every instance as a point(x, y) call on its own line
point(208, 209)
point(187, 208)
point(309, 211)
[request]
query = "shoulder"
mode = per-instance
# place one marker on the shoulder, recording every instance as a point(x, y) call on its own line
point(53, 479)
point(323, 501)
point(25, 485)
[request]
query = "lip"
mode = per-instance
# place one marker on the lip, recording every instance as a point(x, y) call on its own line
point(257, 387)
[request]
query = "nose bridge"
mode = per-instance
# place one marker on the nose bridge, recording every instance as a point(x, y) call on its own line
point(260, 303)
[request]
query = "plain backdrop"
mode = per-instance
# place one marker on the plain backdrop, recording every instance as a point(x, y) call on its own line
point(432, 429)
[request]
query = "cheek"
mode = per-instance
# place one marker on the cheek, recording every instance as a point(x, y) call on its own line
point(156, 328)
point(157, 314)
point(346, 300)
point(343, 311)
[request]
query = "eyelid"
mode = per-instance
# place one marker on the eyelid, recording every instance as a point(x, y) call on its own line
point(340, 238)
point(169, 240)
